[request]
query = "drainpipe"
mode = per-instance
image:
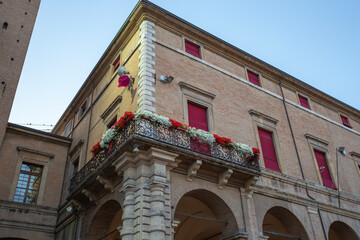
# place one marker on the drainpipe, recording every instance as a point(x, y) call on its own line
point(298, 156)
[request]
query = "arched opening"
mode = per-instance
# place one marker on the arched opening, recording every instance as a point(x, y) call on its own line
point(107, 219)
point(280, 224)
point(202, 215)
point(341, 231)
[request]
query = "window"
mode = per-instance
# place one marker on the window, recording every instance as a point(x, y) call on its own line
point(345, 121)
point(268, 150)
point(5, 25)
point(75, 164)
point(324, 169)
point(197, 116)
point(116, 63)
point(356, 157)
point(112, 122)
point(253, 77)
point(27, 188)
point(304, 102)
point(68, 129)
point(82, 109)
point(192, 48)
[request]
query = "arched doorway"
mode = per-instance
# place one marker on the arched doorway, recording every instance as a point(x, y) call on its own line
point(203, 216)
point(107, 219)
point(341, 231)
point(280, 224)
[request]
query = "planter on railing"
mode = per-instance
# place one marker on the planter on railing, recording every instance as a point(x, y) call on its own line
point(173, 136)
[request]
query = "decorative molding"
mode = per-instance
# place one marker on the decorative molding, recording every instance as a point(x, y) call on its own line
point(29, 150)
point(224, 178)
point(76, 147)
point(146, 73)
point(312, 138)
point(90, 195)
point(192, 171)
point(249, 185)
point(197, 90)
point(111, 107)
point(263, 116)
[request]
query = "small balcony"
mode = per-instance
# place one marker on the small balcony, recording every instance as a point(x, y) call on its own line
point(141, 134)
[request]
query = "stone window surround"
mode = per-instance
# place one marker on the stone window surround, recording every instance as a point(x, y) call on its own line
point(22, 157)
point(247, 68)
point(307, 97)
point(356, 157)
point(201, 46)
point(198, 96)
point(112, 111)
point(112, 70)
point(267, 123)
point(321, 145)
point(348, 119)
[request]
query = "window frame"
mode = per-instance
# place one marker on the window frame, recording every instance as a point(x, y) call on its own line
point(82, 111)
point(269, 124)
point(206, 113)
point(348, 125)
point(321, 145)
point(113, 70)
point(248, 69)
point(199, 97)
point(27, 189)
point(191, 41)
point(69, 124)
point(307, 100)
point(356, 157)
point(273, 145)
point(36, 157)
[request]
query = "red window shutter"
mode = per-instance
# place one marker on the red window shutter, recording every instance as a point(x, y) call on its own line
point(304, 102)
point(197, 116)
point(324, 170)
point(345, 121)
point(116, 63)
point(268, 150)
point(253, 78)
point(192, 48)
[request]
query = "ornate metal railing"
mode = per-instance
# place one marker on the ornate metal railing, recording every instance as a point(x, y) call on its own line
point(170, 136)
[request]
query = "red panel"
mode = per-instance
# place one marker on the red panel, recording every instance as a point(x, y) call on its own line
point(197, 116)
point(116, 63)
point(324, 170)
point(268, 150)
point(253, 78)
point(304, 102)
point(345, 121)
point(192, 48)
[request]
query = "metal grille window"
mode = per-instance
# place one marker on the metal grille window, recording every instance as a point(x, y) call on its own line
point(27, 188)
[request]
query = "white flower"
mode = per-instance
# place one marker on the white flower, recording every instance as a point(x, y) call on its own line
point(202, 135)
point(107, 137)
point(244, 149)
point(153, 118)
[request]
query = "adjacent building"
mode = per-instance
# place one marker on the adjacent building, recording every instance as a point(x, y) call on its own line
point(155, 179)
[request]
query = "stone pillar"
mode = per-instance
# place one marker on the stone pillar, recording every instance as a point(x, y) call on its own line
point(147, 211)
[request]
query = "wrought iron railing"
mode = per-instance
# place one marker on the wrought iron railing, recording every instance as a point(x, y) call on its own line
point(170, 136)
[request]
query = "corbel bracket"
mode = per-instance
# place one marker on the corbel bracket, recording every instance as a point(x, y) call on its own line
point(91, 196)
point(106, 183)
point(224, 177)
point(192, 171)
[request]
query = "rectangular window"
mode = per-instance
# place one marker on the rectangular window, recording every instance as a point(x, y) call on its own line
point(68, 128)
point(116, 63)
point(268, 150)
point(75, 164)
point(192, 48)
point(27, 188)
point(324, 169)
point(112, 122)
point(82, 109)
point(253, 77)
point(345, 121)
point(304, 102)
point(197, 116)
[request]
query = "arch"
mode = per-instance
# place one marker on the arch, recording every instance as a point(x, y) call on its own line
point(105, 222)
point(281, 224)
point(341, 231)
point(203, 215)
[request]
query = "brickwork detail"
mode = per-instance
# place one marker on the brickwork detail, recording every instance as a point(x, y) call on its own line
point(146, 67)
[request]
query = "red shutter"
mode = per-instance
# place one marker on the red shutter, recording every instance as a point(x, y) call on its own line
point(304, 102)
point(197, 116)
point(253, 77)
point(192, 48)
point(268, 150)
point(324, 170)
point(116, 63)
point(345, 121)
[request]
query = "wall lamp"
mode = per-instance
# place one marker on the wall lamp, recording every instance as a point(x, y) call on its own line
point(341, 150)
point(166, 79)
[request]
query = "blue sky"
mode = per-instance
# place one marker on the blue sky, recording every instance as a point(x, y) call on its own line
point(317, 42)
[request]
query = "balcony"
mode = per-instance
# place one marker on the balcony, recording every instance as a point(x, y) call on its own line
point(143, 134)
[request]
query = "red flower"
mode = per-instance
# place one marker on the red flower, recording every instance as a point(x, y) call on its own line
point(124, 120)
point(256, 151)
point(222, 140)
point(96, 148)
point(176, 123)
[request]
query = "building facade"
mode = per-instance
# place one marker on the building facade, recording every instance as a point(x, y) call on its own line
point(17, 19)
point(158, 180)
